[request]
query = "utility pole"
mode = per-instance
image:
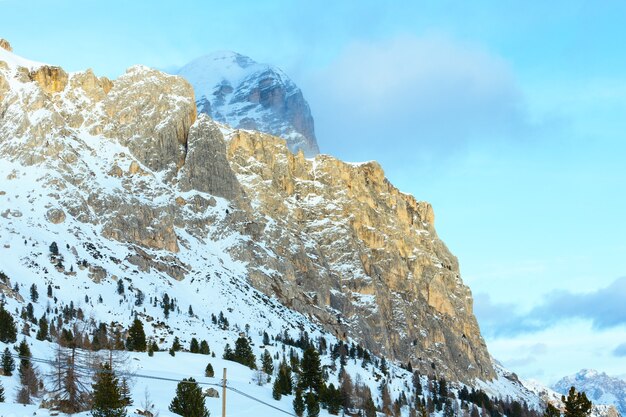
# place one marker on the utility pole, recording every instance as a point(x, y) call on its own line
point(224, 394)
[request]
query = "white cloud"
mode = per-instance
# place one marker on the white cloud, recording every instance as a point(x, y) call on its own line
point(560, 350)
point(431, 91)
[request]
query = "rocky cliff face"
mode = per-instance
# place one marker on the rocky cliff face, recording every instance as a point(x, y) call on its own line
point(129, 162)
point(359, 255)
point(235, 90)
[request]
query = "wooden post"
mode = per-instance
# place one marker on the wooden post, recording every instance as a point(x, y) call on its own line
point(224, 394)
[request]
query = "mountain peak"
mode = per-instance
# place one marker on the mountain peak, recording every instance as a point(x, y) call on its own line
point(599, 387)
point(236, 90)
point(588, 373)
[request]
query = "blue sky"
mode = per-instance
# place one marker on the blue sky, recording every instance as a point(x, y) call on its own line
point(507, 116)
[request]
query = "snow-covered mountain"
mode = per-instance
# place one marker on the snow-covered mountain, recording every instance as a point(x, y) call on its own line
point(599, 387)
point(235, 90)
point(115, 196)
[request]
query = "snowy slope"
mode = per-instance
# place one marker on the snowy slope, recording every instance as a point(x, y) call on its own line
point(234, 89)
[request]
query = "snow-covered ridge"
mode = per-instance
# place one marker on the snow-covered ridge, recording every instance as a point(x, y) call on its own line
point(600, 387)
point(15, 61)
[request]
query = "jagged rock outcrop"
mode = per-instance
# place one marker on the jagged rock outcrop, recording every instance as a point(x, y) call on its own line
point(206, 167)
point(50, 79)
point(4, 44)
point(235, 90)
point(129, 160)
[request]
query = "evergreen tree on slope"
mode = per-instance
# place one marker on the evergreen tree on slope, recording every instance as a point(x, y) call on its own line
point(107, 400)
point(189, 400)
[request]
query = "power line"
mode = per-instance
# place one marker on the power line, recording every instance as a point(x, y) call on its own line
point(260, 401)
point(153, 377)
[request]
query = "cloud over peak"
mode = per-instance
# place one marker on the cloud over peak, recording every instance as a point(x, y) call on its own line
point(433, 91)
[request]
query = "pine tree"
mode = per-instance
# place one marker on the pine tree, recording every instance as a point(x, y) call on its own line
point(576, 404)
point(34, 295)
point(243, 353)
point(24, 353)
point(54, 249)
point(107, 400)
point(2, 399)
point(136, 340)
point(42, 333)
point(267, 364)
point(311, 374)
point(551, 411)
point(208, 371)
point(229, 355)
point(189, 400)
point(176, 347)
point(28, 376)
point(298, 404)
point(194, 346)
point(312, 405)
point(8, 364)
point(417, 384)
point(276, 390)
point(333, 399)
point(125, 392)
point(204, 348)
point(383, 366)
point(443, 388)
point(284, 379)
point(166, 306)
point(8, 331)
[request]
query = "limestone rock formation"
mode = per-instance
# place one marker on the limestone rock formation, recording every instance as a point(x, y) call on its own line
point(234, 89)
point(359, 255)
point(50, 79)
point(129, 160)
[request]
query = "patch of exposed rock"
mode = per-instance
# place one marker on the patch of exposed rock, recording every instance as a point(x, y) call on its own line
point(55, 216)
point(4, 44)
